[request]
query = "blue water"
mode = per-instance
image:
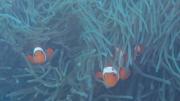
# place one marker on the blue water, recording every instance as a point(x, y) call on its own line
point(84, 36)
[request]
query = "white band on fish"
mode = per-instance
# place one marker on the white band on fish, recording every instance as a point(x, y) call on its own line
point(39, 49)
point(109, 70)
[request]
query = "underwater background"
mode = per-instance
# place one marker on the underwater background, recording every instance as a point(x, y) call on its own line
point(83, 34)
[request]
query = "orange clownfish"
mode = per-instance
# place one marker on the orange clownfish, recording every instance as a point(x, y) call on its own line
point(39, 55)
point(109, 76)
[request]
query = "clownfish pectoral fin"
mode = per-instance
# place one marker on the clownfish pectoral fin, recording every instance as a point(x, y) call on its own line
point(99, 75)
point(124, 73)
point(50, 52)
point(30, 58)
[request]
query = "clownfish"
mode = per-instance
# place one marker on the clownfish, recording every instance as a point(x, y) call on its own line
point(109, 76)
point(40, 56)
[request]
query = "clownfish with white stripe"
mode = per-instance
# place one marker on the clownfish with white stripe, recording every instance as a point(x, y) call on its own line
point(40, 56)
point(109, 76)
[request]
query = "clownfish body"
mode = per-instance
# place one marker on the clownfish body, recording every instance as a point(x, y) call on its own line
point(40, 56)
point(109, 76)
